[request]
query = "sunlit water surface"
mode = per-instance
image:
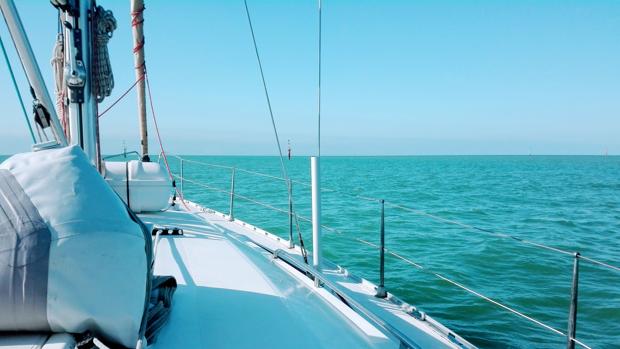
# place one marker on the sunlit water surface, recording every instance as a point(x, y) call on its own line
point(569, 202)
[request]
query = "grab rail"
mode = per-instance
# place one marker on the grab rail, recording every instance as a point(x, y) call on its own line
point(571, 332)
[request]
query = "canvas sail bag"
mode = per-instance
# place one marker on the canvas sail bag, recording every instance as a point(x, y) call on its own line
point(71, 257)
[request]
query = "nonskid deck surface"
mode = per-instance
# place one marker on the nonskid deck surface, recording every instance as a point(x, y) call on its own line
point(232, 294)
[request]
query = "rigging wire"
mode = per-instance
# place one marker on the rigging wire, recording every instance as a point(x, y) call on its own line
point(122, 96)
point(273, 121)
point(19, 95)
point(262, 74)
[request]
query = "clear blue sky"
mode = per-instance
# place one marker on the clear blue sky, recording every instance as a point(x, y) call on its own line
point(400, 77)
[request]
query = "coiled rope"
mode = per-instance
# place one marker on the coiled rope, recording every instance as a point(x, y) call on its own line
point(103, 81)
point(58, 66)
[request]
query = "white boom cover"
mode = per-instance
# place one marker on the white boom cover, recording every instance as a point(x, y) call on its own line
point(97, 273)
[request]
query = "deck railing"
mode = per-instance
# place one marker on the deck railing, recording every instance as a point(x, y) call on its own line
point(576, 257)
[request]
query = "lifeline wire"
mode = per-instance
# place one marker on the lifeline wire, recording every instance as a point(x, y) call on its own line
point(19, 95)
point(475, 293)
point(425, 214)
point(398, 256)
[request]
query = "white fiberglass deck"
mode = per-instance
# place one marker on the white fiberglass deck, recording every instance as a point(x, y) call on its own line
point(233, 294)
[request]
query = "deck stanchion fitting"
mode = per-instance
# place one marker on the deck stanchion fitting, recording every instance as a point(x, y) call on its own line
point(291, 244)
point(231, 214)
point(381, 289)
point(572, 313)
point(182, 180)
point(316, 213)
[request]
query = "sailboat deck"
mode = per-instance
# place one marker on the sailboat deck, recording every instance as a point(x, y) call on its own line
point(232, 293)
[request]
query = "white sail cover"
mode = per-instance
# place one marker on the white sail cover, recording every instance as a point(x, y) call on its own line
point(71, 257)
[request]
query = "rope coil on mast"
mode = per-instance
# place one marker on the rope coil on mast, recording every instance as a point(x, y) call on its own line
point(136, 18)
point(103, 81)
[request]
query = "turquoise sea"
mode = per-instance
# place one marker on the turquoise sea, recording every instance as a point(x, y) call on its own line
point(569, 202)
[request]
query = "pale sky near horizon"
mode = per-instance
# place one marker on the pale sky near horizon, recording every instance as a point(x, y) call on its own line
point(399, 77)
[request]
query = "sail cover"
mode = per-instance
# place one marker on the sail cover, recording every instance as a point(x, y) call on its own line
point(71, 257)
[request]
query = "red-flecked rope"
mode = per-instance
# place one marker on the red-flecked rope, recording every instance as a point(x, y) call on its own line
point(136, 19)
point(161, 144)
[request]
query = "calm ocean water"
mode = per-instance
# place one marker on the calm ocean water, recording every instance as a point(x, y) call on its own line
point(570, 202)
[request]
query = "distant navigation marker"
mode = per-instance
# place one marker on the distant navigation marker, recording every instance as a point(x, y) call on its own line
point(289, 149)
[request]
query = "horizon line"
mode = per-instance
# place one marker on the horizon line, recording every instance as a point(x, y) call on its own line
point(389, 155)
point(363, 155)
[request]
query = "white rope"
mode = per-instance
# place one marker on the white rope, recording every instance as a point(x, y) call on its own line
point(58, 66)
point(103, 79)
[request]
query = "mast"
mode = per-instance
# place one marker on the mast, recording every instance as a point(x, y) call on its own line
point(77, 78)
point(88, 109)
point(137, 9)
point(29, 62)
